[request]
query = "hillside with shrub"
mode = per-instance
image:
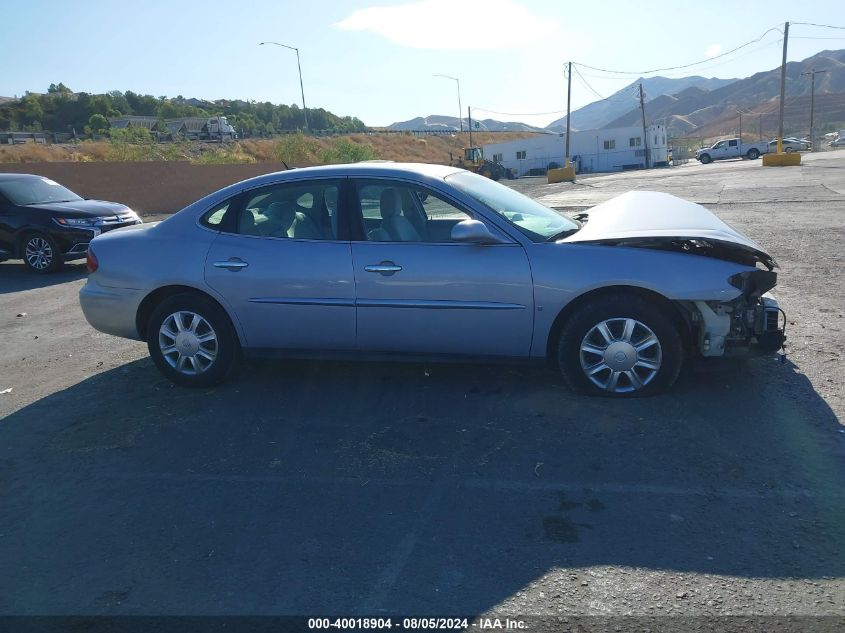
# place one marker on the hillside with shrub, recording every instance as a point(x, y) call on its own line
point(62, 110)
point(299, 150)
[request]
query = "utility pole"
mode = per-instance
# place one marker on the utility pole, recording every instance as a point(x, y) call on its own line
point(568, 100)
point(760, 126)
point(812, 74)
point(645, 131)
point(740, 126)
point(782, 86)
point(469, 120)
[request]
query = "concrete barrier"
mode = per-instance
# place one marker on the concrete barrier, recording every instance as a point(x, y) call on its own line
point(147, 187)
point(788, 159)
point(562, 174)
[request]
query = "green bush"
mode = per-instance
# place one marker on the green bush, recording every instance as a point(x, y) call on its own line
point(297, 149)
point(222, 156)
point(345, 151)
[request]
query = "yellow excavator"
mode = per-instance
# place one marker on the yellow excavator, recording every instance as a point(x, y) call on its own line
point(473, 160)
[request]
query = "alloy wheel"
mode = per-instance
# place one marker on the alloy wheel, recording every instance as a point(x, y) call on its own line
point(38, 253)
point(620, 355)
point(188, 343)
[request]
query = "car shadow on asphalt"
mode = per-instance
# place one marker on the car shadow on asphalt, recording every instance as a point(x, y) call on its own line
point(372, 488)
point(16, 277)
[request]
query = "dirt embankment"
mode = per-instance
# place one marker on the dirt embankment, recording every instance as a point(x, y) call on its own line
point(162, 186)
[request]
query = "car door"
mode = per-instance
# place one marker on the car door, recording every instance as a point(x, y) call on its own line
point(280, 265)
point(9, 222)
point(720, 150)
point(420, 292)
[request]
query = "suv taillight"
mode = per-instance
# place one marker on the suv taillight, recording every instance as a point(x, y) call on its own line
point(91, 262)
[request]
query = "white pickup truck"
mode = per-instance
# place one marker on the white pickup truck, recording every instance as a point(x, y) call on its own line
point(731, 148)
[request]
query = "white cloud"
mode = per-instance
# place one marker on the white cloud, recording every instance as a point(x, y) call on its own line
point(713, 50)
point(453, 24)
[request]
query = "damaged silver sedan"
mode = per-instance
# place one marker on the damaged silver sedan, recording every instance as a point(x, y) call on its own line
point(425, 262)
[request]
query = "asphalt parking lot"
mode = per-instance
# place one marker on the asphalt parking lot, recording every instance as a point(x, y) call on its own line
point(361, 489)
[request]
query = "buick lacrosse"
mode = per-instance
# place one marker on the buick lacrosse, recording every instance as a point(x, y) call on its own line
point(405, 261)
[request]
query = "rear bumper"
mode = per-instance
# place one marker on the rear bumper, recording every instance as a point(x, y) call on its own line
point(111, 310)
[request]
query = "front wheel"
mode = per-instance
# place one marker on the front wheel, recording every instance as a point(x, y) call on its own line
point(753, 154)
point(192, 341)
point(620, 346)
point(704, 158)
point(41, 253)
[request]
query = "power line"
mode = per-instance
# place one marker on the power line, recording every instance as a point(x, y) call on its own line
point(518, 113)
point(822, 26)
point(593, 90)
point(704, 61)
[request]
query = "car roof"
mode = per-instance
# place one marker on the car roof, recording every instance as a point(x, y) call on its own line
point(366, 169)
point(377, 167)
point(19, 176)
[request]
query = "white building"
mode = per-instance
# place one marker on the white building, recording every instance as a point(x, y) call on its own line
point(590, 151)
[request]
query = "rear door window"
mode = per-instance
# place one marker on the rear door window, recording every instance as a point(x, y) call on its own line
point(300, 210)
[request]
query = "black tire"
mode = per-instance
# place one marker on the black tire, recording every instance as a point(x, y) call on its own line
point(668, 354)
point(753, 154)
point(704, 158)
point(226, 348)
point(40, 253)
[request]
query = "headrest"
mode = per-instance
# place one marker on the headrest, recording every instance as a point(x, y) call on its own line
point(390, 203)
point(283, 212)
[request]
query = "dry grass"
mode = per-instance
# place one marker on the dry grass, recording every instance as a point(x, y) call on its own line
point(294, 150)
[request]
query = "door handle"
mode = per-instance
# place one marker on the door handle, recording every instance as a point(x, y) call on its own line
point(384, 268)
point(234, 264)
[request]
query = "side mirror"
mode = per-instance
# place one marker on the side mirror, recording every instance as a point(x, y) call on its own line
point(474, 232)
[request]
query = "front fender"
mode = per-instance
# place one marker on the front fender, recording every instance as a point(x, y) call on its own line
point(563, 272)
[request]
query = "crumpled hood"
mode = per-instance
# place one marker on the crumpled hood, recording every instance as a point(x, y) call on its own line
point(650, 214)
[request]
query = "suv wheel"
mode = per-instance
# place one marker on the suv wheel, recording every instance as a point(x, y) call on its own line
point(704, 158)
point(619, 346)
point(40, 253)
point(192, 341)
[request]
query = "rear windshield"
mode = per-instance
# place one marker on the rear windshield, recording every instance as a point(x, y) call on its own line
point(25, 191)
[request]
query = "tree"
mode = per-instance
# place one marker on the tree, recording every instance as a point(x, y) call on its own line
point(98, 123)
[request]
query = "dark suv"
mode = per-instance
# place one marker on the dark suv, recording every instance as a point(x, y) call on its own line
point(45, 224)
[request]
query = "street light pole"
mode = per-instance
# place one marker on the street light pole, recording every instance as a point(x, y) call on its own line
point(812, 74)
point(782, 87)
point(460, 108)
point(299, 68)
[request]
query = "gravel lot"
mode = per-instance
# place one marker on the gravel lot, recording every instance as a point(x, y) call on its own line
point(339, 488)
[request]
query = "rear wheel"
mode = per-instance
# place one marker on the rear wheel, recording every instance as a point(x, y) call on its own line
point(753, 154)
point(192, 341)
point(620, 346)
point(41, 253)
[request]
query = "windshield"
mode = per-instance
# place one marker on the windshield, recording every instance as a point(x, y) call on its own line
point(539, 223)
point(36, 191)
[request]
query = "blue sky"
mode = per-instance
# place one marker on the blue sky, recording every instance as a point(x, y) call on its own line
point(376, 59)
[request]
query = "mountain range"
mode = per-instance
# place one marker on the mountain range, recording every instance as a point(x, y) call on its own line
point(452, 123)
point(701, 106)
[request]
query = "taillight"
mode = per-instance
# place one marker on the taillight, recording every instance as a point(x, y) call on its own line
point(91, 262)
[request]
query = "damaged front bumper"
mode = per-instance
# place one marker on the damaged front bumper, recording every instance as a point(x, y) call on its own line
point(752, 324)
